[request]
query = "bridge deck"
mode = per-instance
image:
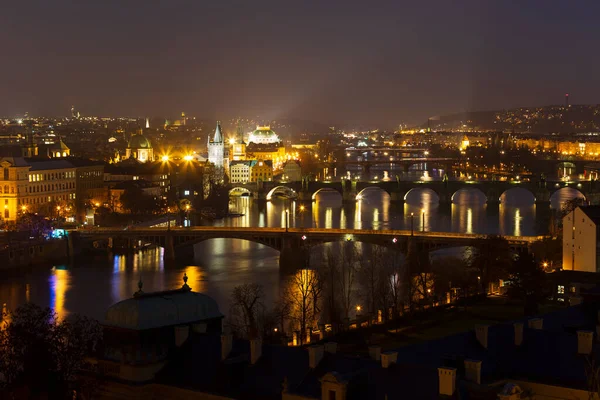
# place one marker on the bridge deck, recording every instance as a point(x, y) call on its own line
point(304, 231)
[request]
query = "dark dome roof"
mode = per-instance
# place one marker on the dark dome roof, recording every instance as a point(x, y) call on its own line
point(139, 141)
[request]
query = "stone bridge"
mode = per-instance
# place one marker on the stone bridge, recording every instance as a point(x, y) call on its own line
point(294, 244)
point(350, 191)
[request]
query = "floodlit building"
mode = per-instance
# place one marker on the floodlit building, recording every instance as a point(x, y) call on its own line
point(261, 171)
point(264, 144)
point(239, 171)
point(580, 239)
point(139, 148)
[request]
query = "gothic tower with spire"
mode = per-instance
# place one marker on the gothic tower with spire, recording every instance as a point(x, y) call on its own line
point(216, 148)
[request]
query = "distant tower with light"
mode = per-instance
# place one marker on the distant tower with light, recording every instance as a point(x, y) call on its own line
point(239, 146)
point(216, 148)
point(147, 123)
point(183, 117)
point(567, 100)
point(73, 115)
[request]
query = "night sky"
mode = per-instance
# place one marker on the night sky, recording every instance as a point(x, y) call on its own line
point(351, 62)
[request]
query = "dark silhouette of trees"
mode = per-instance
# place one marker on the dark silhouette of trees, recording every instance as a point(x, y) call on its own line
point(136, 201)
point(36, 225)
point(247, 307)
point(42, 355)
point(490, 259)
point(527, 282)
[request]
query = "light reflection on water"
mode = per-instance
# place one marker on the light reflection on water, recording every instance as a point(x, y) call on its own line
point(91, 285)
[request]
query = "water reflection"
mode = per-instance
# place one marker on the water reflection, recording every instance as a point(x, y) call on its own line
point(59, 284)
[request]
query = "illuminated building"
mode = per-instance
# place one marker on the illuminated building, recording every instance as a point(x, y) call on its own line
point(464, 143)
point(55, 150)
point(139, 148)
point(264, 144)
point(239, 171)
point(261, 171)
point(238, 147)
point(216, 148)
point(580, 237)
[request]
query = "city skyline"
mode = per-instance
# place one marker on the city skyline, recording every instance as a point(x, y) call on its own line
point(398, 63)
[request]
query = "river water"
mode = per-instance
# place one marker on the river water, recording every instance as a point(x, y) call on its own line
point(89, 286)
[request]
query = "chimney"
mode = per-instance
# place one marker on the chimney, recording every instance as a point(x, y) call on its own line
point(315, 355)
point(331, 347)
point(447, 381)
point(226, 344)
point(585, 340)
point(181, 334)
point(518, 333)
point(473, 371)
point(388, 358)
point(375, 352)
point(481, 333)
point(536, 323)
point(255, 350)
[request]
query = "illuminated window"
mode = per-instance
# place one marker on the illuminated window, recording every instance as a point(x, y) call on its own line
point(561, 289)
point(186, 193)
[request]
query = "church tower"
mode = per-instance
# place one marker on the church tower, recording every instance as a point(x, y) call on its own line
point(239, 147)
point(30, 148)
point(216, 148)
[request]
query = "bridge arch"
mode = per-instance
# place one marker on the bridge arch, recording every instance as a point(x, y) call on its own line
point(464, 190)
point(282, 190)
point(371, 189)
point(564, 194)
point(426, 190)
point(239, 191)
point(516, 190)
point(326, 190)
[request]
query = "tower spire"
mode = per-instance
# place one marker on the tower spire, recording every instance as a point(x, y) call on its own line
point(218, 136)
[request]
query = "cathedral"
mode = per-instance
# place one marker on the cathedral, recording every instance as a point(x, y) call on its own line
point(216, 148)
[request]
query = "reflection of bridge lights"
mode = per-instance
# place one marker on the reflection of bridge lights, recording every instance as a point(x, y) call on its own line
point(303, 237)
point(394, 240)
point(348, 238)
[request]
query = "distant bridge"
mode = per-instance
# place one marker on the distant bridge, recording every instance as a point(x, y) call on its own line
point(293, 243)
point(351, 191)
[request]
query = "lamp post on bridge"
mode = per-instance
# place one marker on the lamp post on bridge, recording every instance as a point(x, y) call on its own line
point(423, 222)
point(287, 219)
point(412, 223)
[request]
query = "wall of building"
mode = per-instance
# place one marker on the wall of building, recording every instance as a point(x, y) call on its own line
point(579, 242)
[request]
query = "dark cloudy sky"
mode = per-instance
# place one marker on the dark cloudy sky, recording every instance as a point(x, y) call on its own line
point(363, 62)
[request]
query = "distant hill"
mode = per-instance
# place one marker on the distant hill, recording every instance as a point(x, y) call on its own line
point(548, 119)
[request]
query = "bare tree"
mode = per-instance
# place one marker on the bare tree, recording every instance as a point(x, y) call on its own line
point(246, 309)
point(303, 299)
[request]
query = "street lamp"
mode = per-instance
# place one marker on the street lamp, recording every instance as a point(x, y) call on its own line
point(287, 217)
point(423, 223)
point(412, 223)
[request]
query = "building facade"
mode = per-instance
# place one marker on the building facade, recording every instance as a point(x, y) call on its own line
point(216, 148)
point(261, 171)
point(239, 171)
point(580, 239)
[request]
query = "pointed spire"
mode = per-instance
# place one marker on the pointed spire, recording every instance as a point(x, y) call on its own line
point(218, 136)
point(147, 123)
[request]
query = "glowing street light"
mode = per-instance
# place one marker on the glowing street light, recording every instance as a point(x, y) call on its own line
point(423, 223)
point(358, 308)
point(412, 224)
point(188, 157)
point(164, 158)
point(232, 141)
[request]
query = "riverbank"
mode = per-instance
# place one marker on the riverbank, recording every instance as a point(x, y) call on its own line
point(35, 252)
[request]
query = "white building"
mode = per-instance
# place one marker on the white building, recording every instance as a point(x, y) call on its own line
point(580, 239)
point(216, 148)
point(239, 171)
point(140, 148)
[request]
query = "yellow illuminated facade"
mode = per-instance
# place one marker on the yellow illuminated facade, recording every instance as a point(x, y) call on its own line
point(45, 187)
point(261, 171)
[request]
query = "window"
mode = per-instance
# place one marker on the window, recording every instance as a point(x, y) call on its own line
point(6, 213)
point(561, 289)
point(186, 193)
point(331, 395)
point(5, 174)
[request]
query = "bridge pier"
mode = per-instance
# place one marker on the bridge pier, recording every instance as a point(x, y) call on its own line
point(397, 197)
point(169, 253)
point(349, 192)
point(293, 255)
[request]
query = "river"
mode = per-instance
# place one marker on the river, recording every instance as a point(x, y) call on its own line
point(89, 286)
